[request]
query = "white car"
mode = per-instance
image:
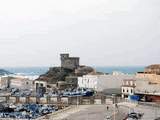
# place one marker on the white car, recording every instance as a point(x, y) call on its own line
point(108, 117)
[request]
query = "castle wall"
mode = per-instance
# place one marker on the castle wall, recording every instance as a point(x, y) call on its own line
point(69, 62)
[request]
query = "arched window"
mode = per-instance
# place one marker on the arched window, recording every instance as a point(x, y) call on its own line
point(123, 90)
point(131, 91)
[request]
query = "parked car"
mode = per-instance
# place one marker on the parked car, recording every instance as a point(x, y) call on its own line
point(135, 115)
point(108, 117)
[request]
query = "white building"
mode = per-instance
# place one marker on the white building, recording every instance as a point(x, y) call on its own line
point(88, 81)
point(21, 82)
point(103, 82)
point(4, 83)
point(40, 83)
point(128, 87)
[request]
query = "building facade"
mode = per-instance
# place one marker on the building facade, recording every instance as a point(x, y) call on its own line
point(4, 82)
point(21, 82)
point(128, 87)
point(88, 81)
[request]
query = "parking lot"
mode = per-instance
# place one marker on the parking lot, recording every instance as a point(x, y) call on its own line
point(89, 112)
point(100, 112)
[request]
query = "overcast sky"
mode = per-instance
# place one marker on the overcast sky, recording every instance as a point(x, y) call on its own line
point(100, 32)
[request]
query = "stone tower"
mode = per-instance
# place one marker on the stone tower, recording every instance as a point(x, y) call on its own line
point(69, 62)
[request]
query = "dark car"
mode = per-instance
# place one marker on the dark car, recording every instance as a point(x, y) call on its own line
point(157, 118)
point(135, 116)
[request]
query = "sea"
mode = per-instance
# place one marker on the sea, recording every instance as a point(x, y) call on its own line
point(36, 71)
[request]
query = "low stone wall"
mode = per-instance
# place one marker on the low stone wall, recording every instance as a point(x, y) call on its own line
point(64, 100)
point(3, 99)
point(58, 100)
point(32, 100)
point(22, 99)
point(97, 101)
point(11, 99)
point(53, 100)
point(43, 100)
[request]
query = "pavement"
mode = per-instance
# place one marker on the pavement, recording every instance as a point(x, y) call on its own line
point(90, 112)
point(100, 112)
point(150, 112)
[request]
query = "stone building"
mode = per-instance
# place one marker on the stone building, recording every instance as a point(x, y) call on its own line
point(148, 85)
point(21, 82)
point(15, 81)
point(69, 62)
point(151, 73)
point(4, 82)
point(153, 69)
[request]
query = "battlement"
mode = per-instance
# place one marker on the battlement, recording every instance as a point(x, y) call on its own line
point(69, 62)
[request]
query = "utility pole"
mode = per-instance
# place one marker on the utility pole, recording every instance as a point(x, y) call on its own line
point(114, 102)
point(156, 107)
point(77, 100)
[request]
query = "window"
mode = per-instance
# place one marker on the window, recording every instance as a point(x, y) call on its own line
point(127, 83)
point(37, 85)
point(131, 91)
point(127, 90)
point(123, 90)
point(41, 85)
point(27, 83)
point(48, 86)
point(131, 82)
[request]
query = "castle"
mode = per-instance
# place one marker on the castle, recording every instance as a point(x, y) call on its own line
point(69, 62)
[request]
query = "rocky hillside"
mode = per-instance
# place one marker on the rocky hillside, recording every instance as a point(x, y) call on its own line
point(56, 74)
point(4, 72)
